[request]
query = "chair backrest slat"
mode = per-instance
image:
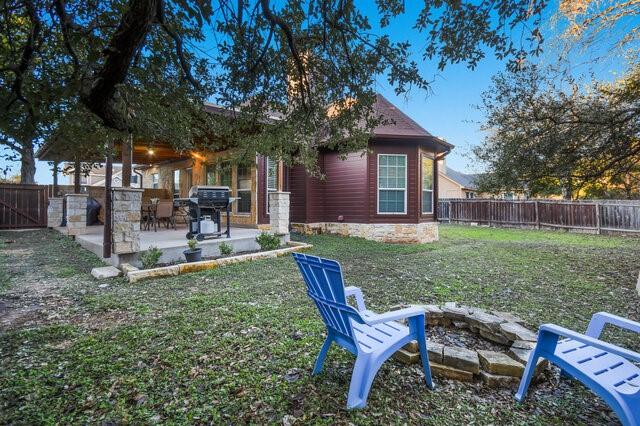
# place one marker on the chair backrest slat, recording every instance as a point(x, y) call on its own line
point(325, 286)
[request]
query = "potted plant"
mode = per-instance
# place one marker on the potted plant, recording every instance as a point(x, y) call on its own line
point(194, 254)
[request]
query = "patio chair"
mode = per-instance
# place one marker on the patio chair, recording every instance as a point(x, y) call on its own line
point(371, 337)
point(606, 369)
point(164, 213)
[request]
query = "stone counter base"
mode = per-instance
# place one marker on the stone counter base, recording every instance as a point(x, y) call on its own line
point(407, 233)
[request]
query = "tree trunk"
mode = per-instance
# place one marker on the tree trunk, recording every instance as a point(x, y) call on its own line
point(27, 165)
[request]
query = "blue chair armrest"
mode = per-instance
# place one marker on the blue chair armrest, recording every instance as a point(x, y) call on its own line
point(405, 313)
point(357, 293)
point(600, 319)
point(608, 347)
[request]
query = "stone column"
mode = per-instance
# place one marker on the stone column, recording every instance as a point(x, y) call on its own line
point(54, 212)
point(125, 214)
point(76, 214)
point(279, 212)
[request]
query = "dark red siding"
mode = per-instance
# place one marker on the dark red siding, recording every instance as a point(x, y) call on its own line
point(345, 188)
point(350, 187)
point(298, 198)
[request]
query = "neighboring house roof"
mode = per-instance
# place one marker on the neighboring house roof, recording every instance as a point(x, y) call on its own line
point(467, 181)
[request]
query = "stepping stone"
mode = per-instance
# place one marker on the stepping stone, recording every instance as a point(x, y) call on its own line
point(435, 351)
point(513, 331)
point(500, 364)
point(461, 358)
point(494, 337)
point(127, 267)
point(454, 312)
point(508, 316)
point(483, 320)
point(105, 272)
point(439, 370)
point(407, 357)
point(497, 381)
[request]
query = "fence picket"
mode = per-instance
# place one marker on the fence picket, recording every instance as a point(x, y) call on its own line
point(596, 216)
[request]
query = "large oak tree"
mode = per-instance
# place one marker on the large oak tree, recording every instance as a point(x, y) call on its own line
point(134, 64)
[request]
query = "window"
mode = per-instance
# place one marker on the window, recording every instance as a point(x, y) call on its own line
point(272, 178)
point(154, 181)
point(176, 183)
point(243, 186)
point(427, 185)
point(392, 183)
point(471, 195)
point(134, 179)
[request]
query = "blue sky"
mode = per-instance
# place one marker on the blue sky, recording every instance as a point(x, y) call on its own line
point(448, 111)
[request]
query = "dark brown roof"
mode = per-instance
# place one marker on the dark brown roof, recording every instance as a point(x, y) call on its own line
point(400, 125)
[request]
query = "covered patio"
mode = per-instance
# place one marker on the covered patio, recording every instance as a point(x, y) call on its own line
point(171, 242)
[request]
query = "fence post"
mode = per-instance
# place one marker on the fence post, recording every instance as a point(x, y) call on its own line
point(537, 214)
point(598, 218)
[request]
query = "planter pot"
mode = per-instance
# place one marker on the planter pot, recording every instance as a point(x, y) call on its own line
point(193, 255)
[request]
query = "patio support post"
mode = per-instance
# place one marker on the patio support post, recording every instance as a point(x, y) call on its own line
point(76, 214)
point(56, 166)
point(126, 161)
point(125, 235)
point(77, 169)
point(106, 230)
point(279, 212)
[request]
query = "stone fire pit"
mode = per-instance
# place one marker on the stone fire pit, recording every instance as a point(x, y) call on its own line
point(471, 344)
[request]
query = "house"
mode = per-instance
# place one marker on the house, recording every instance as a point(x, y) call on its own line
point(454, 184)
point(385, 192)
point(96, 176)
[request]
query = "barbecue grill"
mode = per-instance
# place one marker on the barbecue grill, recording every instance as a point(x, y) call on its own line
point(206, 204)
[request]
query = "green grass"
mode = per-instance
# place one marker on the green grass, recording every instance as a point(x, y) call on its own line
point(237, 344)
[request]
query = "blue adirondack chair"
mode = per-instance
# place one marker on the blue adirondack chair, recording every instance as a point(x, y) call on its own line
point(371, 337)
point(605, 368)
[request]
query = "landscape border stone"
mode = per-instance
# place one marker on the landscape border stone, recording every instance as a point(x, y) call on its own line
point(183, 268)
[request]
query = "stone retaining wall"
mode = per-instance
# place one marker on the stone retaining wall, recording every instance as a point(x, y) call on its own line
point(54, 212)
point(408, 233)
point(76, 214)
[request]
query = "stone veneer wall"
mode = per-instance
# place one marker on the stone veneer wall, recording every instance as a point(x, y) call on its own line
point(125, 213)
point(409, 233)
point(279, 212)
point(76, 214)
point(54, 212)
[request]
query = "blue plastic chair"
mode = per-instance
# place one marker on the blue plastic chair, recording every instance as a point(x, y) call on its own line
point(605, 368)
point(371, 337)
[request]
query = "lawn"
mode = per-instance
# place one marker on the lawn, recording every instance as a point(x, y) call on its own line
point(237, 344)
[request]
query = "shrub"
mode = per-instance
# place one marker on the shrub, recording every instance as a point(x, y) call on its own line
point(268, 241)
point(149, 258)
point(225, 249)
point(192, 243)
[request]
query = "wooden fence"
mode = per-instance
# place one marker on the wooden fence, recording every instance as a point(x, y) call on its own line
point(23, 206)
point(592, 215)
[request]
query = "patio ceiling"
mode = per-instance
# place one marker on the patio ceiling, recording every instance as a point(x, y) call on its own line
point(143, 152)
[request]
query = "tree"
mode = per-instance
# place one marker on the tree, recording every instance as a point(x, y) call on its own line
point(540, 137)
point(278, 65)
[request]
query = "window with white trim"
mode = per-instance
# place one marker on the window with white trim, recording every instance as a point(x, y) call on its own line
point(271, 178)
point(155, 181)
point(392, 183)
point(243, 205)
point(427, 184)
